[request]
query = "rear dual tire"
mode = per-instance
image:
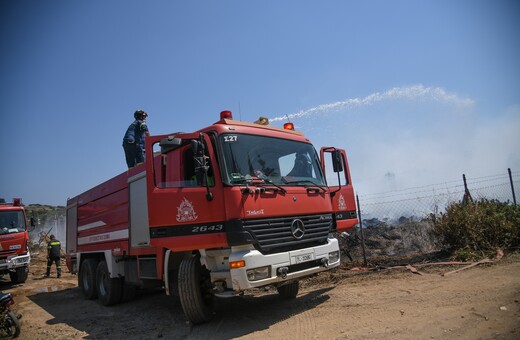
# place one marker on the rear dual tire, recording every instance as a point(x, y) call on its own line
point(95, 282)
point(109, 290)
point(87, 278)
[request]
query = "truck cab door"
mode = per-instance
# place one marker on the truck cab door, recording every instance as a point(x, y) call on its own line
point(186, 207)
point(335, 166)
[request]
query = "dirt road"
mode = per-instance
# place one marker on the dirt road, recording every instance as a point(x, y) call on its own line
point(478, 303)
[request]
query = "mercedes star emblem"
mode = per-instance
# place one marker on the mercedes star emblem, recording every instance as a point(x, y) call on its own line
point(297, 229)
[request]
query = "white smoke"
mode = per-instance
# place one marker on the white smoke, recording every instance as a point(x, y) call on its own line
point(421, 135)
point(412, 93)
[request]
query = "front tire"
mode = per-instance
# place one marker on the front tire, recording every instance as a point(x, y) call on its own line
point(289, 290)
point(108, 289)
point(87, 278)
point(194, 291)
point(20, 275)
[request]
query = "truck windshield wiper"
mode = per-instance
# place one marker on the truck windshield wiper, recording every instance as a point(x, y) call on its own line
point(305, 181)
point(239, 180)
point(268, 181)
point(257, 181)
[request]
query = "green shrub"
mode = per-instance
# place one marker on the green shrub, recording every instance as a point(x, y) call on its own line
point(474, 229)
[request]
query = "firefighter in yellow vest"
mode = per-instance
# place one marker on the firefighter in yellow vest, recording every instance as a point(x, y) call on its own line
point(53, 255)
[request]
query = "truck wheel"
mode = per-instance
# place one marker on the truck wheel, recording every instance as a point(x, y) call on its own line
point(195, 291)
point(289, 290)
point(108, 289)
point(87, 278)
point(19, 275)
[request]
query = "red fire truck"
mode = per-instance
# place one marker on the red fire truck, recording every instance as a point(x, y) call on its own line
point(212, 213)
point(14, 237)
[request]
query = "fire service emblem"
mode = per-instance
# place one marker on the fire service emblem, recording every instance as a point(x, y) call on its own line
point(341, 203)
point(186, 212)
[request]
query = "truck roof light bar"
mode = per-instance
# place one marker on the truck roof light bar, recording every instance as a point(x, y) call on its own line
point(17, 201)
point(226, 114)
point(288, 126)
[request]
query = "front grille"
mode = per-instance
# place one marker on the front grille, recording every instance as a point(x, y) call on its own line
point(274, 234)
point(7, 253)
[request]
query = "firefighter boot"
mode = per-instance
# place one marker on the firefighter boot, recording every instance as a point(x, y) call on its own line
point(49, 264)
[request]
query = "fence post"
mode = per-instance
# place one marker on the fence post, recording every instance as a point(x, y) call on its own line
point(362, 233)
point(467, 195)
point(512, 186)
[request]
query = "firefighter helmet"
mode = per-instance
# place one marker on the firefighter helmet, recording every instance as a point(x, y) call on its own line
point(140, 114)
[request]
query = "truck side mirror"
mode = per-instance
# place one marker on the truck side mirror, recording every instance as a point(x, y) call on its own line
point(337, 161)
point(195, 147)
point(169, 144)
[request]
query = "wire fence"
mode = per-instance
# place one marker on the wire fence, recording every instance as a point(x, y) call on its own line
point(396, 223)
point(418, 202)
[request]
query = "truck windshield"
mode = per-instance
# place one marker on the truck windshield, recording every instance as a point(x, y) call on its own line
point(271, 160)
point(11, 222)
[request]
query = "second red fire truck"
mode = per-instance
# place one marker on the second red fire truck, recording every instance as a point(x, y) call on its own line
point(213, 213)
point(14, 240)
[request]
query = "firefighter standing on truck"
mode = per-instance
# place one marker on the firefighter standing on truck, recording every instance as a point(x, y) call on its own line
point(53, 255)
point(133, 141)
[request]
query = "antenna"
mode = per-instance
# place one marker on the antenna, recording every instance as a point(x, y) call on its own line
point(286, 115)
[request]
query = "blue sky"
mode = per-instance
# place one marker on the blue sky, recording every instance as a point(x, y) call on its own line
point(425, 90)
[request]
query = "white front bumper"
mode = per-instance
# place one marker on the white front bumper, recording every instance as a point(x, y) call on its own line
point(15, 261)
point(315, 260)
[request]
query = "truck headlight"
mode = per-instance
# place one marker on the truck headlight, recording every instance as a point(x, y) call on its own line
point(334, 257)
point(259, 273)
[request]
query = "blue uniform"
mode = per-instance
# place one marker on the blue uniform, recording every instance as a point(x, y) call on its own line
point(133, 143)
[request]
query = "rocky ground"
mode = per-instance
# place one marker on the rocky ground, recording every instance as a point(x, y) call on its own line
point(482, 302)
